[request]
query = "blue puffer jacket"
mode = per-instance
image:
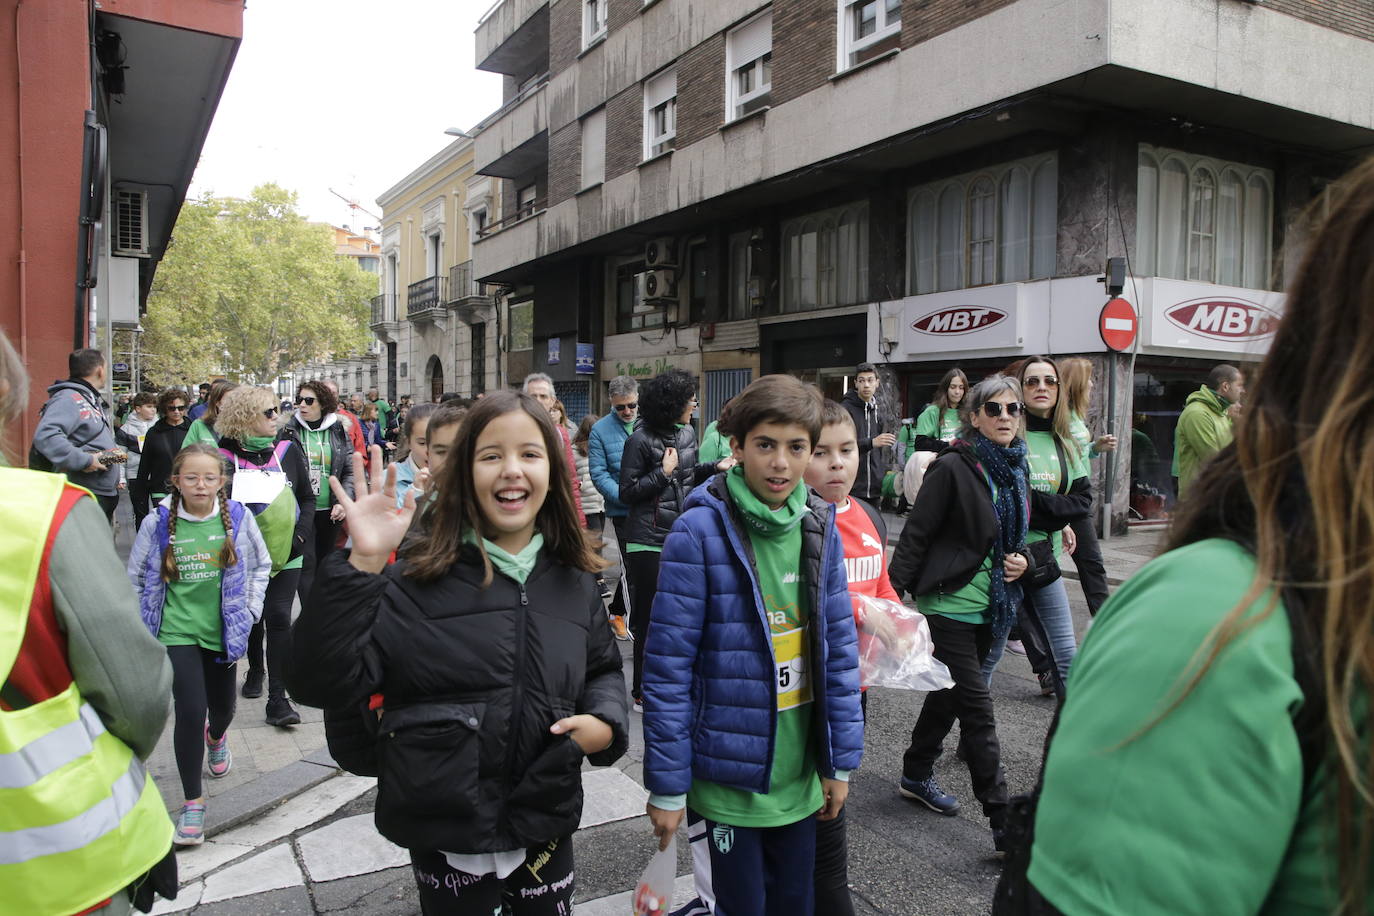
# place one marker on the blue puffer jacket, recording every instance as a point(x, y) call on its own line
point(605, 446)
point(710, 700)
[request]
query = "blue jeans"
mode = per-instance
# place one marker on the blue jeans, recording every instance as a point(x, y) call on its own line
point(1049, 606)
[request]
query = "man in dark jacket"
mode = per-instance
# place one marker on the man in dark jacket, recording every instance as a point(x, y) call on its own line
point(74, 428)
point(862, 404)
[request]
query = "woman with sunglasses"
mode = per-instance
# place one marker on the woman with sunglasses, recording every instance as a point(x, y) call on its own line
point(962, 554)
point(1058, 471)
point(317, 430)
point(271, 477)
point(161, 444)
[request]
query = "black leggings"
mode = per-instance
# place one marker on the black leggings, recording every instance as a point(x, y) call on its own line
point(1087, 559)
point(642, 566)
point(326, 533)
point(276, 622)
point(543, 886)
point(199, 685)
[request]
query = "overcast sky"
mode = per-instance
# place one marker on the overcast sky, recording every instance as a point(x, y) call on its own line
point(344, 94)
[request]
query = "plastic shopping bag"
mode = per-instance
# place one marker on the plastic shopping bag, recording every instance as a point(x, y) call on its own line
point(654, 892)
point(895, 648)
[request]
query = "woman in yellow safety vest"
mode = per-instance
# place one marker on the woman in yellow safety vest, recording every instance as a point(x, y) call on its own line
point(84, 691)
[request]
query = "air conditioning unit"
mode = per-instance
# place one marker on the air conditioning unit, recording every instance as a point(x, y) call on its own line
point(130, 224)
point(660, 253)
point(660, 284)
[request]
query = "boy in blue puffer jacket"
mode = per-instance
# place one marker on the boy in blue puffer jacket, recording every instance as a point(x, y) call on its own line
point(751, 683)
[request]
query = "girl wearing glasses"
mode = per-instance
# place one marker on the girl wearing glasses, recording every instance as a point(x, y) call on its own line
point(962, 554)
point(271, 477)
point(319, 432)
point(201, 569)
point(161, 444)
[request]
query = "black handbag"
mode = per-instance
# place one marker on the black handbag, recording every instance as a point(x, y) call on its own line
point(1044, 566)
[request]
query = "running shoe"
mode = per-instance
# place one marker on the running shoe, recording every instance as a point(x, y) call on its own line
point(220, 757)
point(928, 792)
point(280, 712)
point(618, 627)
point(252, 684)
point(1015, 647)
point(190, 825)
point(1046, 679)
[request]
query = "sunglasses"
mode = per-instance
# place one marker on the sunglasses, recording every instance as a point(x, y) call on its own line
point(627, 407)
point(1034, 381)
point(994, 408)
point(177, 407)
point(303, 399)
point(270, 413)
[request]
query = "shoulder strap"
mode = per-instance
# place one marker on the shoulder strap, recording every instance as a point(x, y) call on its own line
point(1064, 481)
point(875, 517)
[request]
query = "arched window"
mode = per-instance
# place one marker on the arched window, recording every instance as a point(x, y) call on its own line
point(949, 235)
point(1045, 218)
point(982, 222)
point(1202, 227)
point(1173, 219)
point(1146, 214)
point(1230, 201)
point(1014, 226)
point(1258, 228)
point(825, 264)
point(922, 240)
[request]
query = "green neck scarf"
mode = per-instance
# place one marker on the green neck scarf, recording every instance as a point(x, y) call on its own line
point(760, 518)
point(515, 566)
point(258, 443)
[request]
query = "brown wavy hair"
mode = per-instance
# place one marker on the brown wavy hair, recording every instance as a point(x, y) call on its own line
point(218, 389)
point(167, 396)
point(1075, 384)
point(228, 556)
point(942, 391)
point(455, 509)
point(1297, 488)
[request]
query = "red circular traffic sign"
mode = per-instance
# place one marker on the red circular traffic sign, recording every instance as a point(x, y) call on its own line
point(1118, 324)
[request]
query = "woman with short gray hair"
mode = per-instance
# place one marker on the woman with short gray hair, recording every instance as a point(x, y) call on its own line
point(962, 554)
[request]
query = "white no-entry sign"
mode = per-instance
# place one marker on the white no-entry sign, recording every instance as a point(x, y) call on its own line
point(1118, 324)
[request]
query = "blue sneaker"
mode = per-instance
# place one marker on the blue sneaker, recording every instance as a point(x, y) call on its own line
point(928, 792)
point(190, 825)
point(220, 757)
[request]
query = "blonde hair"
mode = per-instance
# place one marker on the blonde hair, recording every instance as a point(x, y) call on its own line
point(228, 556)
point(240, 409)
point(1075, 381)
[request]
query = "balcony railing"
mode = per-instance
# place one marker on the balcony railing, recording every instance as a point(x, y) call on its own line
point(383, 308)
point(426, 294)
point(461, 283)
point(531, 208)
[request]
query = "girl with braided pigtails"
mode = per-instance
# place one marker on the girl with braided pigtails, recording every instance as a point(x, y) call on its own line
point(201, 569)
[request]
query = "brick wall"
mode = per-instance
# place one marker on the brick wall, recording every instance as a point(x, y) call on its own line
point(621, 12)
point(804, 47)
point(924, 19)
point(701, 91)
point(565, 34)
point(565, 162)
point(624, 131)
point(1354, 17)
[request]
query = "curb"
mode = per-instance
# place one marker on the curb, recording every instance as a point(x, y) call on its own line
point(245, 802)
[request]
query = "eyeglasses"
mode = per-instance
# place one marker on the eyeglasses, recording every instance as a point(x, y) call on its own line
point(177, 407)
point(995, 408)
point(303, 399)
point(270, 413)
point(195, 480)
point(1034, 381)
point(627, 407)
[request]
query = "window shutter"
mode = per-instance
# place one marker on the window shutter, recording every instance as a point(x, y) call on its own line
point(660, 89)
point(594, 148)
point(751, 40)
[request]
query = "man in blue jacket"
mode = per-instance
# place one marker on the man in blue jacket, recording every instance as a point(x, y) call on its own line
point(74, 429)
point(752, 719)
point(605, 447)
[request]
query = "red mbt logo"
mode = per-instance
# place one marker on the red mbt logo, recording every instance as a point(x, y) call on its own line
point(960, 319)
point(1224, 319)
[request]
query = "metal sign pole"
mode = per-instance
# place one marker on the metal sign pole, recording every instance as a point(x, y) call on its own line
point(1109, 496)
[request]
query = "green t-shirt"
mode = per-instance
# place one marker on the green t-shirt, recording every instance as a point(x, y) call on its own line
point(1082, 435)
point(714, 446)
point(319, 453)
point(191, 612)
point(937, 423)
point(794, 787)
point(1044, 473)
point(383, 412)
point(1202, 811)
point(200, 431)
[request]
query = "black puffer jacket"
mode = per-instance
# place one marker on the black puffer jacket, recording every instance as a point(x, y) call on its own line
point(472, 679)
point(340, 450)
point(160, 446)
point(654, 498)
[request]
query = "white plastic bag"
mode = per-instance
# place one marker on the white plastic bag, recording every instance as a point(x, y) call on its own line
point(654, 892)
point(895, 647)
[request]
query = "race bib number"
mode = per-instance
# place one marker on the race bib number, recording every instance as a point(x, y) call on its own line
point(257, 487)
point(315, 475)
point(793, 676)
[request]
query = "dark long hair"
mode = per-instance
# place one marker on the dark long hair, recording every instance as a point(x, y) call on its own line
point(942, 393)
point(456, 510)
point(663, 398)
point(1297, 488)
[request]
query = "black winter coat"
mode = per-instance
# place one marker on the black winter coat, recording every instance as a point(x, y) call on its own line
point(297, 471)
point(951, 529)
point(160, 446)
point(340, 451)
point(654, 498)
point(472, 678)
point(868, 482)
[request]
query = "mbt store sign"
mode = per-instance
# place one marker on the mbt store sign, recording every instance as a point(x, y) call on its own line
point(973, 319)
point(1202, 316)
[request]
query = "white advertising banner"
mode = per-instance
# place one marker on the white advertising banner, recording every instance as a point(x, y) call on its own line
point(1184, 315)
point(968, 319)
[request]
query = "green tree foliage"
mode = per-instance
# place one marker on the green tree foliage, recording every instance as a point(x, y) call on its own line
point(249, 289)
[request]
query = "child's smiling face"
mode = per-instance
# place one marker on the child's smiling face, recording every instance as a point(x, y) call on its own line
point(774, 457)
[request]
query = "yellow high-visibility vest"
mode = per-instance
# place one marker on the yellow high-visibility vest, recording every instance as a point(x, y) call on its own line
point(79, 818)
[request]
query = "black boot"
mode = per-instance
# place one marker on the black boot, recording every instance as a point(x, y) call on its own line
point(252, 683)
point(280, 711)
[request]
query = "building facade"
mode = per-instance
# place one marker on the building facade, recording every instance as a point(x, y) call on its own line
point(107, 109)
point(741, 187)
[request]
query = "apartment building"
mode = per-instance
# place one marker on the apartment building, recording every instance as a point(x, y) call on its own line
point(736, 187)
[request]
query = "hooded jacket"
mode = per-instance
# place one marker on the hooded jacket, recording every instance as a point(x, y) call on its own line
point(127, 436)
point(1204, 428)
point(710, 694)
point(655, 499)
point(472, 677)
point(297, 471)
point(73, 427)
point(242, 586)
point(868, 482)
point(160, 446)
point(340, 447)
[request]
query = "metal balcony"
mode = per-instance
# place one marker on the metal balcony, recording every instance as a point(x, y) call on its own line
point(468, 298)
point(426, 299)
point(383, 309)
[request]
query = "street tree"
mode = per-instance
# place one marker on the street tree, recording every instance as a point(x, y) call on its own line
point(249, 289)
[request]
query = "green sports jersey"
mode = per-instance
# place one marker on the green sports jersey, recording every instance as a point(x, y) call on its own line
point(191, 612)
point(1045, 472)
